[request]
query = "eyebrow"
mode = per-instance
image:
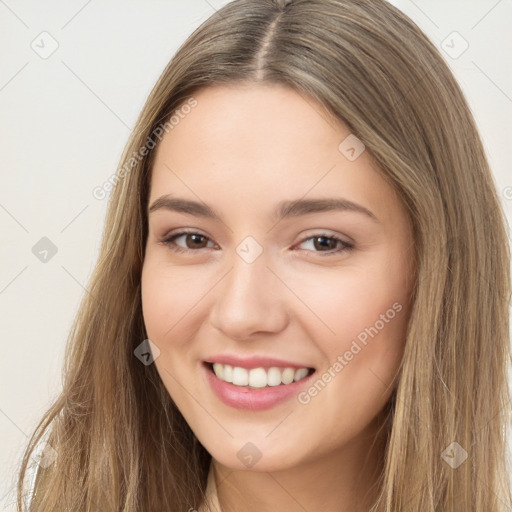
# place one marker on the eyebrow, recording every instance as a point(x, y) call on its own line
point(285, 209)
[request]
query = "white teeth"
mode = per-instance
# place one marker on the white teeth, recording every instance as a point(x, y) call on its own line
point(274, 376)
point(228, 373)
point(219, 370)
point(299, 374)
point(258, 377)
point(287, 375)
point(240, 376)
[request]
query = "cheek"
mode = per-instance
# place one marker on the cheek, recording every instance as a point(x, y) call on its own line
point(361, 336)
point(168, 299)
point(158, 303)
point(360, 313)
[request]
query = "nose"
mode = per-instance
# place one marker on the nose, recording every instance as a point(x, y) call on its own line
point(249, 300)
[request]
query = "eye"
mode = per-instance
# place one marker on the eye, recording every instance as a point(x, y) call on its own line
point(333, 244)
point(193, 240)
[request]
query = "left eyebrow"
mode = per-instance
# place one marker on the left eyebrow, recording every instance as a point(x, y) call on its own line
point(285, 209)
point(306, 206)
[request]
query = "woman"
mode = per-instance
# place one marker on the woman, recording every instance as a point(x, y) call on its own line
point(301, 299)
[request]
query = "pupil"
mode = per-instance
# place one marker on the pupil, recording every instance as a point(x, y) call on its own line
point(195, 239)
point(331, 243)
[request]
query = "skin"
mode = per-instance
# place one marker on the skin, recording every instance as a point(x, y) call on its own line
point(293, 302)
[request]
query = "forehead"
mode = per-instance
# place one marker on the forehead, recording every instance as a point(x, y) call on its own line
point(242, 120)
point(257, 144)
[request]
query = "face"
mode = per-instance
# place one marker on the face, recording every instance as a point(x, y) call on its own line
point(274, 242)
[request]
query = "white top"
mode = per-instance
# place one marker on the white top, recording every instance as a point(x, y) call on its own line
point(36, 460)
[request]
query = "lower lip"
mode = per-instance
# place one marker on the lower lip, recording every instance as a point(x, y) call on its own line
point(255, 399)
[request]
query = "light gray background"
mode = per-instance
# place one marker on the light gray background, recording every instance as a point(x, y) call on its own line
point(63, 124)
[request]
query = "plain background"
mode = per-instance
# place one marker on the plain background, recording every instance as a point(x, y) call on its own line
point(64, 122)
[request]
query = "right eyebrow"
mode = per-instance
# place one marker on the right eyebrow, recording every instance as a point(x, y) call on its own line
point(175, 204)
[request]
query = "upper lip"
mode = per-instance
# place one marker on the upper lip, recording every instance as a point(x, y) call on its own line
point(254, 361)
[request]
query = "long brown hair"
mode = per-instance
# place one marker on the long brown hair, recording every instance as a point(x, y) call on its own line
point(121, 443)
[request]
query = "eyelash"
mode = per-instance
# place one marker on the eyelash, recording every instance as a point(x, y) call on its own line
point(169, 242)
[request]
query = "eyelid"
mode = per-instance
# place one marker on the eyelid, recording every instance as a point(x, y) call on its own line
point(182, 231)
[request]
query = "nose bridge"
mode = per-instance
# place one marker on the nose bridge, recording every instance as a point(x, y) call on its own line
point(248, 299)
point(249, 278)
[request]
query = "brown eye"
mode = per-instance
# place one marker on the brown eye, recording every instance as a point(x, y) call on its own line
point(326, 245)
point(191, 241)
point(324, 242)
point(195, 241)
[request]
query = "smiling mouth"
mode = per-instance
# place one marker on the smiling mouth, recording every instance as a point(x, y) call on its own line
point(257, 378)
